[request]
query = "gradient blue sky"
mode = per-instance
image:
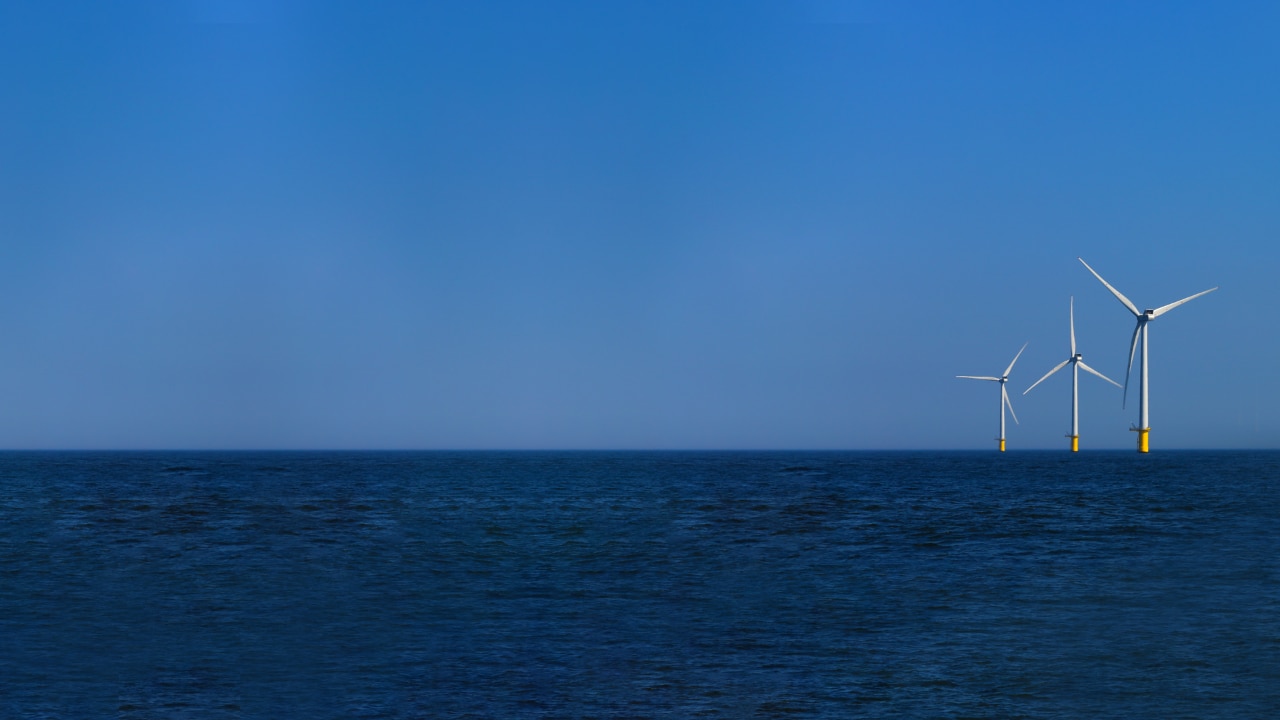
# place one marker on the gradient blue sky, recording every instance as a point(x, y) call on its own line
point(553, 224)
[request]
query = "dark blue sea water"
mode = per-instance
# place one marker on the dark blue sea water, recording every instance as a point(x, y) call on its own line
point(639, 585)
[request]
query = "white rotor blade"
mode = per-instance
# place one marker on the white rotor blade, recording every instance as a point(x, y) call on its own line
point(1166, 308)
point(978, 377)
point(1073, 324)
point(1015, 359)
point(1132, 308)
point(1095, 372)
point(1133, 346)
point(1056, 368)
point(1008, 404)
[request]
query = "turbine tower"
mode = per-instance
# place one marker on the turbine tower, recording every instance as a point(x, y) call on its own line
point(1144, 318)
point(1077, 364)
point(1004, 395)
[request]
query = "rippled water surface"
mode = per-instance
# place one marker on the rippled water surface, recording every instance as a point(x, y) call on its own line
point(683, 585)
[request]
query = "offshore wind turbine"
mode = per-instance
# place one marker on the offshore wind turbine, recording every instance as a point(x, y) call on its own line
point(1004, 395)
point(1077, 364)
point(1144, 318)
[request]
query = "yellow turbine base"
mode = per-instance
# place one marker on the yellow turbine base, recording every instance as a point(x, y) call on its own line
point(1142, 440)
point(1001, 444)
point(1075, 443)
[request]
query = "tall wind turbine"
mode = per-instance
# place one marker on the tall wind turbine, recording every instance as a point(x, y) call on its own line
point(1077, 364)
point(1004, 395)
point(1144, 318)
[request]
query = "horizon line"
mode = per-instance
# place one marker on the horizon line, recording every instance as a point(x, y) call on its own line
point(994, 452)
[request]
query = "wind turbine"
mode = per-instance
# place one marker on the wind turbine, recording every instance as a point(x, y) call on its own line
point(1144, 428)
point(1004, 395)
point(1077, 364)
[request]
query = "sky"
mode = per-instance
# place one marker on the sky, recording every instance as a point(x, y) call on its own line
point(577, 224)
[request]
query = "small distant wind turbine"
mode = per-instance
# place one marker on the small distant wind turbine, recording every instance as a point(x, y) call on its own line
point(1144, 428)
point(1004, 395)
point(1077, 364)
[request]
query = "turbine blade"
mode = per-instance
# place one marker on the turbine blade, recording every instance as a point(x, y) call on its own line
point(1005, 395)
point(978, 377)
point(1072, 307)
point(1015, 359)
point(1166, 308)
point(1133, 346)
point(1095, 372)
point(1056, 368)
point(1132, 308)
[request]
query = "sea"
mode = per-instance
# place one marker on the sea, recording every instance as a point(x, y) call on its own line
point(639, 585)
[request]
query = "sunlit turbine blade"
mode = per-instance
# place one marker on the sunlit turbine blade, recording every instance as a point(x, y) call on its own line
point(1133, 346)
point(1073, 325)
point(1095, 372)
point(1015, 359)
point(1132, 308)
point(1005, 394)
point(1056, 368)
point(978, 377)
point(1166, 308)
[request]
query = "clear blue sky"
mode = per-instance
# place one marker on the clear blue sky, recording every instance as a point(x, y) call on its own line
point(468, 224)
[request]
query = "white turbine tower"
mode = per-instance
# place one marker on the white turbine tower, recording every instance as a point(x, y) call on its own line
point(1004, 395)
point(1144, 428)
point(1077, 364)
